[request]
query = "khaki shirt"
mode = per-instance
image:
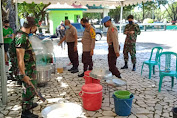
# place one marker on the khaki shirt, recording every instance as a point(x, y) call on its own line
point(70, 34)
point(88, 39)
point(112, 37)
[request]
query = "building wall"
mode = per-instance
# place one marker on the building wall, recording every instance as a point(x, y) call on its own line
point(56, 16)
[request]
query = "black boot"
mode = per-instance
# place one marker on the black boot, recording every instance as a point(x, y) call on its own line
point(119, 77)
point(71, 69)
point(28, 114)
point(81, 75)
point(75, 70)
point(125, 66)
point(134, 67)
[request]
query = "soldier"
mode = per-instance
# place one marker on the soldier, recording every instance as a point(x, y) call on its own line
point(131, 30)
point(71, 39)
point(88, 42)
point(112, 40)
point(27, 66)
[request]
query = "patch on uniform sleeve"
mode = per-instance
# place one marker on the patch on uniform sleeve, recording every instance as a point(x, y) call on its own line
point(112, 29)
point(92, 33)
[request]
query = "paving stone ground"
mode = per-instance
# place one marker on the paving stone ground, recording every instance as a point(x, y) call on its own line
point(147, 103)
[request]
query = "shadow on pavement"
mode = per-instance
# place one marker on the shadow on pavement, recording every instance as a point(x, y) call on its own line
point(149, 46)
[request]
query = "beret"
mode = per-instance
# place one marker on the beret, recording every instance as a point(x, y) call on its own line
point(105, 19)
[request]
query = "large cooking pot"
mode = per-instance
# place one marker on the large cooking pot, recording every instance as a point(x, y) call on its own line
point(43, 74)
point(50, 73)
point(43, 59)
point(48, 46)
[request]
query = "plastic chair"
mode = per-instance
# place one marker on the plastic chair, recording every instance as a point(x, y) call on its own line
point(152, 63)
point(167, 69)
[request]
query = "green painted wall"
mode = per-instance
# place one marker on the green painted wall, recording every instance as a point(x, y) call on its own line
point(56, 16)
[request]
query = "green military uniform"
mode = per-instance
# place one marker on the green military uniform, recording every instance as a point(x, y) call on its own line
point(22, 41)
point(13, 71)
point(130, 42)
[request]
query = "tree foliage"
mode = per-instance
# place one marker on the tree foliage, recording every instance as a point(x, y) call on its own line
point(115, 14)
point(35, 10)
point(147, 7)
point(93, 15)
point(171, 8)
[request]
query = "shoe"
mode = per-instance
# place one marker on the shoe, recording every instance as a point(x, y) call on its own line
point(81, 75)
point(75, 71)
point(134, 67)
point(119, 77)
point(34, 105)
point(28, 114)
point(71, 69)
point(125, 66)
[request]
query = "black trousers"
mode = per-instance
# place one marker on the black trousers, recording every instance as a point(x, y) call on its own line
point(73, 55)
point(87, 61)
point(112, 59)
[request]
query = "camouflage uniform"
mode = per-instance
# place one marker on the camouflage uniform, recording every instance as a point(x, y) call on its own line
point(13, 71)
point(22, 41)
point(130, 42)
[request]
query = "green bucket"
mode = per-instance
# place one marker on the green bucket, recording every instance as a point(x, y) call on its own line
point(122, 94)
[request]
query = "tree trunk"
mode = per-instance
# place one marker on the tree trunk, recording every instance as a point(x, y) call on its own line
point(12, 14)
point(42, 12)
point(143, 10)
point(5, 12)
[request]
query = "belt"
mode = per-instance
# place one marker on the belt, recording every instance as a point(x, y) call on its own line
point(70, 42)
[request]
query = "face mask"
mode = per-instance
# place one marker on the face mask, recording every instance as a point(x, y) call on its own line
point(105, 24)
point(67, 27)
point(6, 26)
point(30, 34)
point(83, 25)
point(130, 22)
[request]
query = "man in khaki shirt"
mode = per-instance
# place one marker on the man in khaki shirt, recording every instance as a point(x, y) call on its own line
point(112, 40)
point(88, 42)
point(71, 39)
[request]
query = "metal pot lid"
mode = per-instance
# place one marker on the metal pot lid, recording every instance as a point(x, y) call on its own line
point(43, 68)
point(100, 73)
point(62, 110)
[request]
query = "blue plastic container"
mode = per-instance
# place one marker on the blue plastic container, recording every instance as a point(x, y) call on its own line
point(123, 106)
point(174, 110)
